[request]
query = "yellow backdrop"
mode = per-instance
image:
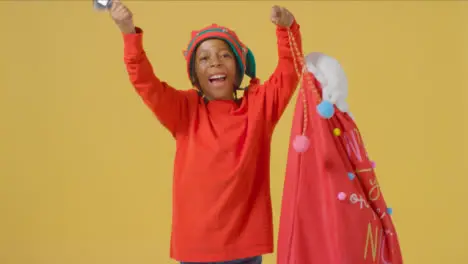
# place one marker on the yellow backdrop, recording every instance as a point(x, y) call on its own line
point(86, 169)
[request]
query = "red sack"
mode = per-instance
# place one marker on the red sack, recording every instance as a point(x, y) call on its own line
point(333, 211)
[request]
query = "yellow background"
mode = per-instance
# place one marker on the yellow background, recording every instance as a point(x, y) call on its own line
point(85, 168)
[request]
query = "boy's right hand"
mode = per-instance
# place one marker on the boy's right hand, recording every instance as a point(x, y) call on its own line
point(122, 16)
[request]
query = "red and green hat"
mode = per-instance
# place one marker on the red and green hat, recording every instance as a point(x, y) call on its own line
point(244, 57)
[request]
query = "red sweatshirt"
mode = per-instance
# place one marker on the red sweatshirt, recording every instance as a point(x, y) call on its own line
point(221, 188)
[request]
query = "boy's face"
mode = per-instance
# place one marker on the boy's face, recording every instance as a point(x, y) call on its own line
point(215, 69)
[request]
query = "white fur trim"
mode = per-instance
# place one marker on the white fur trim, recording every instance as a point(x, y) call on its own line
point(331, 77)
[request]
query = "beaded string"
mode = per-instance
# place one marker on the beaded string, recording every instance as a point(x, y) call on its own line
point(298, 58)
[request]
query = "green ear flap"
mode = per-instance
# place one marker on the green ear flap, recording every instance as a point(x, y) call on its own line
point(250, 64)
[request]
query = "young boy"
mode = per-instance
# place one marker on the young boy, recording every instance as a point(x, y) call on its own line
point(221, 190)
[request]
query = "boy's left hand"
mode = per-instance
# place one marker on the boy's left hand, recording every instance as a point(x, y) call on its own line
point(281, 16)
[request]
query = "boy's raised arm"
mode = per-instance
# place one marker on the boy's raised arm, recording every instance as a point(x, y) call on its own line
point(282, 84)
point(168, 104)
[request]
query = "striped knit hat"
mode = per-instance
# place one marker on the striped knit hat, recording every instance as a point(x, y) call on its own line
point(244, 57)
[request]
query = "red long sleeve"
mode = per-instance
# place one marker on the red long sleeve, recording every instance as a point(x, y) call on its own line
point(282, 84)
point(168, 104)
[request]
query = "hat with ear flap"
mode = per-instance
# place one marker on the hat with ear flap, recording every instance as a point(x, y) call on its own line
point(244, 56)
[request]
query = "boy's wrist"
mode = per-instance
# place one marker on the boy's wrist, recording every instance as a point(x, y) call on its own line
point(127, 28)
point(293, 22)
point(292, 27)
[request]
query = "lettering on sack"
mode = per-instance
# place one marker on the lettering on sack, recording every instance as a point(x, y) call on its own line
point(378, 214)
point(353, 144)
point(372, 242)
point(354, 199)
point(374, 192)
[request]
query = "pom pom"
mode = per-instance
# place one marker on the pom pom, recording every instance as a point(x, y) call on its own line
point(351, 175)
point(341, 196)
point(325, 109)
point(372, 164)
point(337, 132)
point(301, 143)
point(389, 211)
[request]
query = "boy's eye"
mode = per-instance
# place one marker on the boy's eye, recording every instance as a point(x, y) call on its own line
point(227, 55)
point(203, 58)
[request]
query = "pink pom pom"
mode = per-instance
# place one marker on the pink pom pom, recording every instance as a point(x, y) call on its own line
point(341, 196)
point(372, 164)
point(301, 143)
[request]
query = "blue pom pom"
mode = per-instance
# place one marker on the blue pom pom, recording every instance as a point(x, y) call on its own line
point(325, 109)
point(389, 211)
point(351, 175)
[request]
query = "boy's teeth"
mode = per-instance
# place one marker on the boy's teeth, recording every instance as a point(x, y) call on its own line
point(217, 77)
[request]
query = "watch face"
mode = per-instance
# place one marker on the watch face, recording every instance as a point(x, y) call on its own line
point(102, 4)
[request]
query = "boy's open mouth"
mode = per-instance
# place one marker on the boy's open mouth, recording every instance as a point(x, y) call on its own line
point(217, 79)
